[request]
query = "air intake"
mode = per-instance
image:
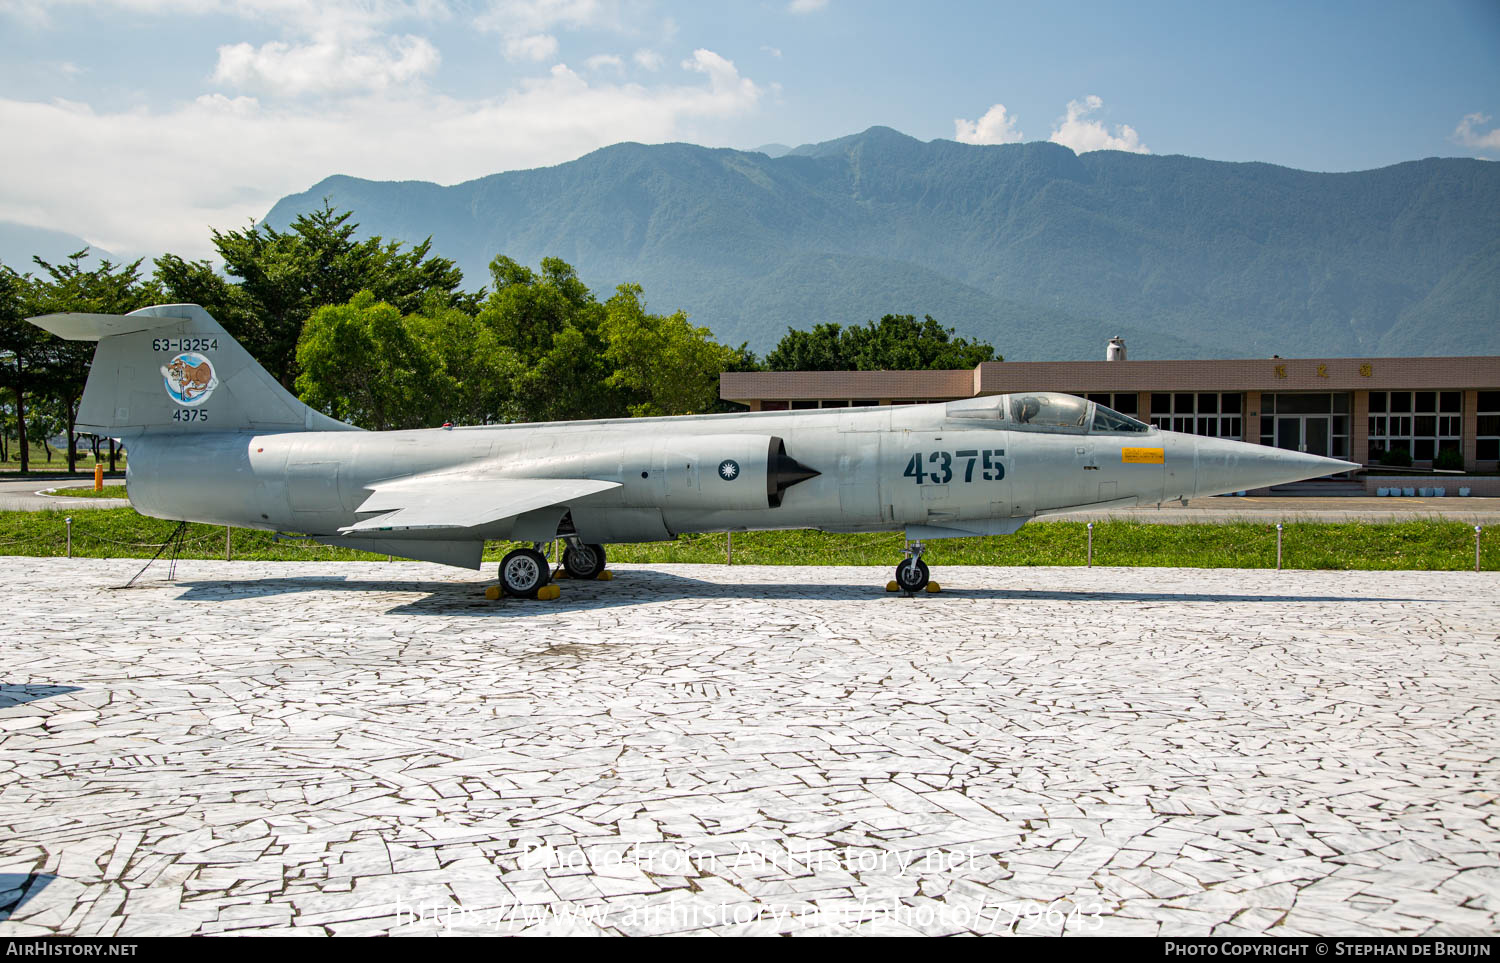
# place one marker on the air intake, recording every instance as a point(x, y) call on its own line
point(783, 471)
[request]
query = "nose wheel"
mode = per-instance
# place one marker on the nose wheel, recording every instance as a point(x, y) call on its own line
point(912, 575)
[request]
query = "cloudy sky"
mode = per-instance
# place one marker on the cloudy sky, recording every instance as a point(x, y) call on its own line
point(137, 124)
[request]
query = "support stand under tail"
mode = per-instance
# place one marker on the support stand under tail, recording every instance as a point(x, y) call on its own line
point(174, 542)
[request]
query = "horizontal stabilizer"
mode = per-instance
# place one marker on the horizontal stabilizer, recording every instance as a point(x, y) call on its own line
point(77, 326)
point(458, 501)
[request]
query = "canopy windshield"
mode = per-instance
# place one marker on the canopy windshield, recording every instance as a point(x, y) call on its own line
point(1044, 410)
point(1108, 419)
point(1049, 409)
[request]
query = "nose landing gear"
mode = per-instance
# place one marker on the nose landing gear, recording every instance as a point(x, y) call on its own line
point(912, 575)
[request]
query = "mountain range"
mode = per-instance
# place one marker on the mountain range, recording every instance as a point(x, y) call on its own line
point(1042, 252)
point(20, 242)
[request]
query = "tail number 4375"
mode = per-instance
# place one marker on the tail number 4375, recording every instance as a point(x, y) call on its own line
point(941, 467)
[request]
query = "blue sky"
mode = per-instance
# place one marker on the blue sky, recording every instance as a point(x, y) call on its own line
point(139, 123)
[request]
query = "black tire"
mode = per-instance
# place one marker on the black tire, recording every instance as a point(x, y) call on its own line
point(583, 561)
point(523, 572)
point(912, 575)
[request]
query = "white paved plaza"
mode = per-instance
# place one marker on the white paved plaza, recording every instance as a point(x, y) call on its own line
point(365, 748)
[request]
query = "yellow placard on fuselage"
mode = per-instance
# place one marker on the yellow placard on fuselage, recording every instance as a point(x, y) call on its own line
point(1143, 456)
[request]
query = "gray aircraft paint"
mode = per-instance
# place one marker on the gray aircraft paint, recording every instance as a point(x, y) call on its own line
point(213, 438)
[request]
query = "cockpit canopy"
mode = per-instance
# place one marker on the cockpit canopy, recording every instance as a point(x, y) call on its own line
point(1044, 411)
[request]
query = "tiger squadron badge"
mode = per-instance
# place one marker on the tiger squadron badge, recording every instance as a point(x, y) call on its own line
point(189, 379)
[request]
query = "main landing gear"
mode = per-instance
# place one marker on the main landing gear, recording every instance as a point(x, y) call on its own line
point(583, 561)
point(523, 572)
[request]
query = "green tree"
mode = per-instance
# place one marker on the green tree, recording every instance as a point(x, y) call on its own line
point(898, 342)
point(198, 282)
point(666, 365)
point(821, 349)
point(552, 322)
point(479, 372)
point(361, 363)
point(23, 348)
point(283, 277)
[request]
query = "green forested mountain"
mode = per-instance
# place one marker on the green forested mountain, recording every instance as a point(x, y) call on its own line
point(1044, 253)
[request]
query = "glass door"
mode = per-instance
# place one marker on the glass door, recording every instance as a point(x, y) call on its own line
point(1315, 435)
point(1309, 433)
point(1289, 432)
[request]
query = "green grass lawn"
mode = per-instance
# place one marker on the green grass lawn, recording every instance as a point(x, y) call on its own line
point(122, 533)
point(109, 491)
point(59, 461)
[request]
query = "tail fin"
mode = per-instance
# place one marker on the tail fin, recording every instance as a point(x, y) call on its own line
point(171, 365)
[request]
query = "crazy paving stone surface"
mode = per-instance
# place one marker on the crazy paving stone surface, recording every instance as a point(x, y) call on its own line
point(370, 748)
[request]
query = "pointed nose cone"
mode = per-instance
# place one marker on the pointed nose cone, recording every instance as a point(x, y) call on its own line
point(1232, 466)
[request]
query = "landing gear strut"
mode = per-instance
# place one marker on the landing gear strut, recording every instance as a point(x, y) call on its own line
point(523, 572)
point(911, 574)
point(583, 561)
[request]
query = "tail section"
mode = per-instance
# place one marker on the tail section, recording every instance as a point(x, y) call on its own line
point(172, 366)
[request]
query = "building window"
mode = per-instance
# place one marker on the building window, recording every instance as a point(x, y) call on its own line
point(1422, 423)
point(1313, 422)
point(1125, 402)
point(1488, 436)
point(1199, 413)
point(773, 406)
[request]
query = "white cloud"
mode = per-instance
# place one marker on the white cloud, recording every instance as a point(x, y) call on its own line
point(722, 75)
point(533, 47)
point(525, 25)
point(1466, 135)
point(145, 181)
point(649, 59)
point(538, 16)
point(1075, 131)
point(806, 6)
point(325, 66)
point(995, 127)
point(600, 61)
point(773, 51)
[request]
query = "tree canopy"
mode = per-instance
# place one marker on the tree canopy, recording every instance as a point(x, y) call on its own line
point(898, 342)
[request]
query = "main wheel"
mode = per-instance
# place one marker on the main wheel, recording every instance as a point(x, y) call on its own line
point(524, 571)
point(912, 575)
point(583, 561)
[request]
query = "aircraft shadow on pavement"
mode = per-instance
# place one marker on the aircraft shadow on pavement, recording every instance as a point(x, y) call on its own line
point(15, 694)
point(639, 586)
point(17, 888)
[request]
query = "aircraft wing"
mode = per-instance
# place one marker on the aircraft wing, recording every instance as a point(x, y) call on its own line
point(457, 501)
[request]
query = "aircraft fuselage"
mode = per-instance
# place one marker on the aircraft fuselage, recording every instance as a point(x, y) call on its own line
point(911, 467)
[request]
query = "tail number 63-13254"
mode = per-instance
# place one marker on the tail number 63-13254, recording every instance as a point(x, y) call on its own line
point(941, 467)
